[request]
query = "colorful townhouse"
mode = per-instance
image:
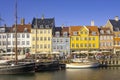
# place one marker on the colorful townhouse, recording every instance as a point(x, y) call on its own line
point(61, 41)
point(114, 25)
point(23, 37)
point(84, 39)
point(106, 40)
point(41, 35)
point(3, 38)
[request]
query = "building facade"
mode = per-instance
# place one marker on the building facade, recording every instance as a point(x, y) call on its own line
point(41, 35)
point(61, 41)
point(84, 38)
point(114, 25)
point(106, 40)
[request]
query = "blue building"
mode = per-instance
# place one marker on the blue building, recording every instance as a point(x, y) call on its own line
point(61, 41)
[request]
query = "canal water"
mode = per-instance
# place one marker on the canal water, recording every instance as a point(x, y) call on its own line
point(110, 73)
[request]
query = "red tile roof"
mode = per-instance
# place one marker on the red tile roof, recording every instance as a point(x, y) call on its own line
point(21, 28)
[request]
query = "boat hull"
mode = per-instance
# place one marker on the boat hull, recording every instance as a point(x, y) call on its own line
point(81, 65)
point(17, 69)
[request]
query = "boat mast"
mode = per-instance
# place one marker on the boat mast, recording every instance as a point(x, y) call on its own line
point(36, 40)
point(16, 58)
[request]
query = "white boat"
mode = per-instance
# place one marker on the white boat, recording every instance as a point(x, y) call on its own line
point(82, 64)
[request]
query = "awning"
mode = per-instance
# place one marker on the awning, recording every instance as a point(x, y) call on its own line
point(83, 51)
point(55, 52)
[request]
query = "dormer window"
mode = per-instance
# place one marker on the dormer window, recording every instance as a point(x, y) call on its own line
point(46, 26)
point(65, 34)
point(41, 26)
point(116, 29)
point(108, 31)
point(75, 33)
point(57, 34)
point(93, 33)
point(14, 30)
point(25, 30)
point(101, 31)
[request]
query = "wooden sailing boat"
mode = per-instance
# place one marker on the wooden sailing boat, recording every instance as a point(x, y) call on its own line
point(16, 67)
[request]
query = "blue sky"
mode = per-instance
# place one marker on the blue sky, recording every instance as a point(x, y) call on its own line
point(67, 12)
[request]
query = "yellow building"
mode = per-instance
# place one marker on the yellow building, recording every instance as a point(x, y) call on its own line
point(84, 38)
point(41, 42)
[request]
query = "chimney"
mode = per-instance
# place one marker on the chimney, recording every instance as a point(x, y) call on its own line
point(92, 23)
point(116, 18)
point(22, 21)
point(42, 16)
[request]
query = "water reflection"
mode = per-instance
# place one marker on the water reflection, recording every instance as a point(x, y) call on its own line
point(110, 73)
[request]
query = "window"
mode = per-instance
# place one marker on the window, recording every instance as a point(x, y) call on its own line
point(18, 42)
point(57, 34)
point(93, 33)
point(41, 46)
point(45, 38)
point(23, 42)
point(85, 32)
point(93, 45)
point(37, 38)
point(18, 35)
point(89, 45)
point(93, 38)
point(45, 46)
point(81, 45)
point(77, 45)
point(28, 36)
point(28, 43)
point(48, 38)
point(41, 31)
point(25, 30)
point(85, 38)
point(41, 26)
point(33, 38)
point(49, 31)
point(37, 46)
point(23, 35)
point(44, 31)
point(89, 38)
point(81, 32)
point(54, 40)
point(108, 31)
point(85, 45)
point(75, 33)
point(101, 31)
point(65, 34)
point(72, 38)
point(77, 38)
point(33, 46)
point(9, 43)
point(48, 45)
point(7, 35)
point(72, 45)
point(41, 38)
point(46, 26)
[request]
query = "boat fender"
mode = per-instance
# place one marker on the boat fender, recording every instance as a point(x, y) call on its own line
point(37, 60)
point(12, 64)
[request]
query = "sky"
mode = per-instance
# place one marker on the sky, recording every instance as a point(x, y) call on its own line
point(67, 12)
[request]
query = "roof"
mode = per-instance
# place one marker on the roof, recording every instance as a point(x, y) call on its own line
point(90, 28)
point(46, 21)
point(105, 29)
point(93, 29)
point(65, 29)
point(115, 24)
point(21, 28)
point(74, 28)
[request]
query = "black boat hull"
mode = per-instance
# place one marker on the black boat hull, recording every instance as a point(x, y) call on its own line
point(18, 69)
